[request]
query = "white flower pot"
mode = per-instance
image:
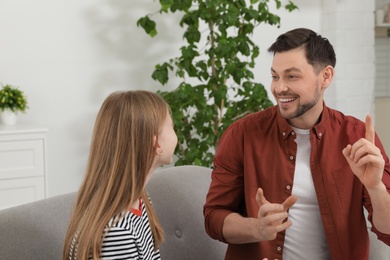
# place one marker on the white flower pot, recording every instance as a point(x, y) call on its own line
point(8, 117)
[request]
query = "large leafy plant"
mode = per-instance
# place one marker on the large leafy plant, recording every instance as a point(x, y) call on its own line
point(218, 55)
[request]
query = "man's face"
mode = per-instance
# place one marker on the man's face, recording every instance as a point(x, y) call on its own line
point(296, 87)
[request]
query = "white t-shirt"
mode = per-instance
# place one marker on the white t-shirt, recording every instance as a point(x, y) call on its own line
point(305, 239)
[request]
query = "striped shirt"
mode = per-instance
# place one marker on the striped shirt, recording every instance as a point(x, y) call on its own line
point(129, 238)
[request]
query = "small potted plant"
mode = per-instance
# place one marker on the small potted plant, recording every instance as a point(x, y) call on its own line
point(12, 101)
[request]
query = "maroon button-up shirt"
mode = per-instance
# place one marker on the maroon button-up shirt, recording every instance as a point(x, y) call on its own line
point(259, 151)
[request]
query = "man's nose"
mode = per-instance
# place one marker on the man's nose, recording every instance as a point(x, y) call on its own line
point(280, 86)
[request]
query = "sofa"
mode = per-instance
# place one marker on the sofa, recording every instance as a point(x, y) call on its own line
point(36, 230)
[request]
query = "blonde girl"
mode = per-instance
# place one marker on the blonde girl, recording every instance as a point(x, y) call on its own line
point(113, 217)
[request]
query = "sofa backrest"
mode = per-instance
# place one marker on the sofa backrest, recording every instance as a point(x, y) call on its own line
point(178, 195)
point(37, 230)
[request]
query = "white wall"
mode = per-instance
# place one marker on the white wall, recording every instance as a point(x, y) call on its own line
point(382, 106)
point(382, 83)
point(68, 55)
point(349, 25)
point(382, 55)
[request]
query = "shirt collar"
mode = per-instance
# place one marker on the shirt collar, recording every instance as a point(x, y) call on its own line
point(319, 129)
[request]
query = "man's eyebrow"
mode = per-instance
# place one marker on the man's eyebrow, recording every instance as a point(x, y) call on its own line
point(292, 69)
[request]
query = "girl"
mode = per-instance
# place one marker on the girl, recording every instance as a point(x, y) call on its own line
point(113, 217)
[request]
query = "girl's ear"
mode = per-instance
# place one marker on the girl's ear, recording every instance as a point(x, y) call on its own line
point(157, 145)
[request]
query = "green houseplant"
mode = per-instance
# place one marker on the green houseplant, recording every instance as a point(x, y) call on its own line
point(218, 55)
point(12, 101)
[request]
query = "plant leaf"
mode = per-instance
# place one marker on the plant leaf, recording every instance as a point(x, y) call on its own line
point(148, 25)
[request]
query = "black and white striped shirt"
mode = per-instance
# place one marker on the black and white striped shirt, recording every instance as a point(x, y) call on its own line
point(129, 238)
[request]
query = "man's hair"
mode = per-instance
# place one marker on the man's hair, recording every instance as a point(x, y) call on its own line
point(319, 51)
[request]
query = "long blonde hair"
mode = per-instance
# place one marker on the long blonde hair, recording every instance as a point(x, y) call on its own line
point(123, 148)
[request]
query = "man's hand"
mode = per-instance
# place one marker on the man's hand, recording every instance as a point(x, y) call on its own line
point(272, 215)
point(365, 159)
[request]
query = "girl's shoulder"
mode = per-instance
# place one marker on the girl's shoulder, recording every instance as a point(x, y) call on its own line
point(122, 220)
point(128, 220)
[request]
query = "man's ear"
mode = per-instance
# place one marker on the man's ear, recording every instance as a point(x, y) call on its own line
point(327, 76)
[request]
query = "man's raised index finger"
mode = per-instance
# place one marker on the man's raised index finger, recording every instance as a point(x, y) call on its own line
point(370, 132)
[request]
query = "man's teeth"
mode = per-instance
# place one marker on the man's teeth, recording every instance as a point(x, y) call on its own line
point(283, 100)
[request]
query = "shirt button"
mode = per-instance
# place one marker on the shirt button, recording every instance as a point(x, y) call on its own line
point(291, 157)
point(288, 187)
point(320, 134)
point(279, 248)
point(292, 133)
point(178, 233)
point(284, 133)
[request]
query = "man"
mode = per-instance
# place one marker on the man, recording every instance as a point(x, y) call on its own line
point(291, 181)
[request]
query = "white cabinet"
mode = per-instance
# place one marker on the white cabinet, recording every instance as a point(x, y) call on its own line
point(22, 164)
